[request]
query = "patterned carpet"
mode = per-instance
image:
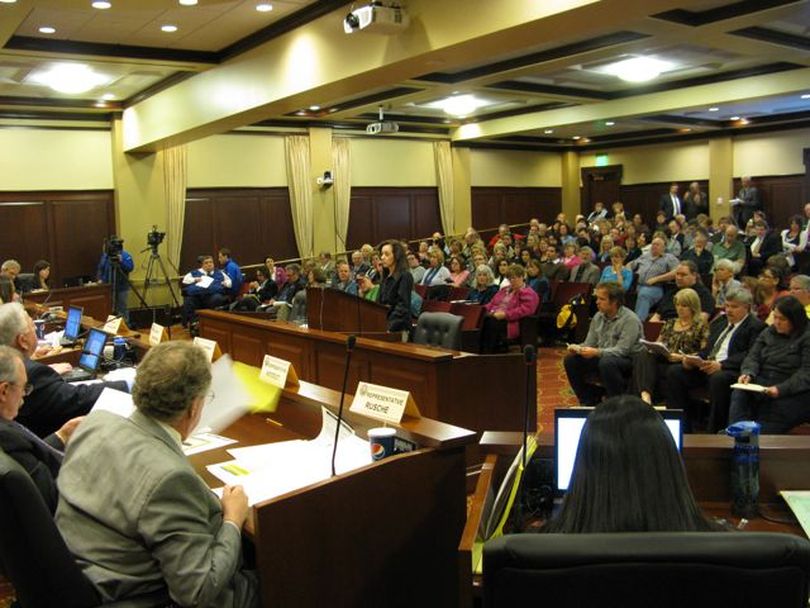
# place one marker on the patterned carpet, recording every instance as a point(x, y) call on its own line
point(553, 390)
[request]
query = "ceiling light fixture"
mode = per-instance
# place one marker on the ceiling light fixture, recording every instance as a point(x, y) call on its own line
point(7, 1)
point(744, 121)
point(101, 5)
point(714, 109)
point(638, 69)
point(188, 2)
point(576, 138)
point(548, 131)
point(734, 118)
point(108, 96)
point(314, 108)
point(459, 106)
point(70, 78)
point(169, 29)
point(609, 123)
point(47, 29)
point(264, 7)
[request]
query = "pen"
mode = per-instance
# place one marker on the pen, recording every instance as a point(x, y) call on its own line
point(271, 421)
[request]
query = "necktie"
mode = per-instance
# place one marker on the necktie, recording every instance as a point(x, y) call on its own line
point(36, 440)
point(719, 342)
point(676, 205)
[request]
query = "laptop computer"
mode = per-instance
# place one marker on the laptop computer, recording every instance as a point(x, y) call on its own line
point(568, 424)
point(73, 326)
point(91, 356)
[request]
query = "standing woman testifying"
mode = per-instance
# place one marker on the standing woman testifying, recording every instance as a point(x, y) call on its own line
point(396, 287)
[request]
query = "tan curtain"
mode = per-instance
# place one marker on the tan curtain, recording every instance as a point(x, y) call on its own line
point(175, 176)
point(443, 158)
point(342, 174)
point(298, 183)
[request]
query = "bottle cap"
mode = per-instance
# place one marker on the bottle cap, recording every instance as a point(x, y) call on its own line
point(743, 428)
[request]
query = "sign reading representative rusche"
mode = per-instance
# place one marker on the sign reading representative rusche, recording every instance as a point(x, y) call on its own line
point(381, 402)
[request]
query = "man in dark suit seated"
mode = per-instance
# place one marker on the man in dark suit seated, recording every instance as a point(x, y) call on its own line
point(764, 244)
point(730, 337)
point(40, 458)
point(205, 287)
point(52, 401)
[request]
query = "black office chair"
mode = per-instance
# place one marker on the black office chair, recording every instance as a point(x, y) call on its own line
point(25, 282)
point(33, 555)
point(438, 329)
point(647, 569)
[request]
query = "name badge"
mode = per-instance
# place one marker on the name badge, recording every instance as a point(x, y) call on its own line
point(112, 325)
point(156, 334)
point(278, 372)
point(383, 403)
point(210, 347)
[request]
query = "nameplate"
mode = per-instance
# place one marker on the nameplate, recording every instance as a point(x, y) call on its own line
point(210, 347)
point(112, 325)
point(383, 403)
point(156, 334)
point(278, 372)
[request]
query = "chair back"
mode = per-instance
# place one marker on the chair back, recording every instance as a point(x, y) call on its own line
point(652, 329)
point(458, 293)
point(659, 569)
point(33, 554)
point(438, 329)
point(473, 315)
point(435, 306)
point(566, 291)
point(421, 290)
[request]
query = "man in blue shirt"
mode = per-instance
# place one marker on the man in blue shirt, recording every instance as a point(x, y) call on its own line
point(116, 266)
point(205, 287)
point(231, 268)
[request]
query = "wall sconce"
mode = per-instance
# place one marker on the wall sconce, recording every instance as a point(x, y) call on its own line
point(325, 181)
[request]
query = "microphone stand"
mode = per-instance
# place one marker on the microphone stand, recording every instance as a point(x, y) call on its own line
point(349, 348)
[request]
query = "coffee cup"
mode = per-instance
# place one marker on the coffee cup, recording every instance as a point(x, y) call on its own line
point(381, 440)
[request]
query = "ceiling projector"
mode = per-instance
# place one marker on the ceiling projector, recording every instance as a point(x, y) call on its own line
point(382, 126)
point(375, 18)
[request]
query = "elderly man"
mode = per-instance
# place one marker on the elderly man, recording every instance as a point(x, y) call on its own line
point(655, 268)
point(800, 289)
point(747, 202)
point(40, 459)
point(52, 401)
point(343, 278)
point(730, 248)
point(147, 529)
point(587, 271)
point(699, 253)
point(608, 349)
point(723, 281)
point(730, 337)
point(686, 275)
point(10, 268)
point(599, 212)
point(206, 287)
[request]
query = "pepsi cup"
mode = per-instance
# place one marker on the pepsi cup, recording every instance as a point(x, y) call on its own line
point(39, 325)
point(381, 440)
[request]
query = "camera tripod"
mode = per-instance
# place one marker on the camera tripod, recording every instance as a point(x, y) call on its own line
point(116, 275)
point(154, 269)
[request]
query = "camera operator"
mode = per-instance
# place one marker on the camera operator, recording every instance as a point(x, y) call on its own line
point(114, 267)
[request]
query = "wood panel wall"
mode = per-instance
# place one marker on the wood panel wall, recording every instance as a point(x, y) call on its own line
point(251, 222)
point(492, 206)
point(781, 195)
point(66, 228)
point(377, 214)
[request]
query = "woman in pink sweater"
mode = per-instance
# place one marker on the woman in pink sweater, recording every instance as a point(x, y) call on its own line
point(510, 304)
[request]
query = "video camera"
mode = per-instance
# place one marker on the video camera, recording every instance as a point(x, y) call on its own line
point(113, 246)
point(154, 238)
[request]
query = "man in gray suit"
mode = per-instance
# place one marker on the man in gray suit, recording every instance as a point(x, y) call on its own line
point(587, 271)
point(144, 527)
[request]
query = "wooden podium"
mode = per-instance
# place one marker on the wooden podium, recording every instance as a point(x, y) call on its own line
point(335, 310)
point(383, 535)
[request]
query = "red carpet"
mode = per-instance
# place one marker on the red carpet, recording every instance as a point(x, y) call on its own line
point(553, 390)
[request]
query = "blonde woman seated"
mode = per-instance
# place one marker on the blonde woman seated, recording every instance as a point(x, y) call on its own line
point(686, 334)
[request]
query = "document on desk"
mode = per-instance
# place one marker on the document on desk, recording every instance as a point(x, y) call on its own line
point(117, 402)
point(270, 470)
point(228, 399)
point(203, 442)
point(799, 503)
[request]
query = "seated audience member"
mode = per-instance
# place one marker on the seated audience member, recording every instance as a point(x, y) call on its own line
point(8, 293)
point(764, 244)
point(231, 268)
point(536, 279)
point(277, 273)
point(686, 334)
point(599, 212)
point(767, 291)
point(359, 264)
point(416, 269)
point(631, 245)
point(779, 361)
point(641, 227)
point(507, 308)
point(565, 236)
point(260, 291)
point(503, 230)
point(42, 273)
point(343, 278)
point(661, 223)
point(699, 254)
point(685, 276)
point(298, 311)
point(794, 240)
point(437, 274)
point(627, 477)
point(654, 268)
point(284, 299)
point(375, 271)
point(52, 402)
point(168, 539)
point(608, 349)
point(484, 289)
point(11, 268)
point(501, 274)
point(396, 287)
point(40, 458)
point(570, 259)
point(730, 338)
point(366, 289)
point(586, 271)
point(458, 274)
point(327, 265)
point(605, 245)
point(676, 238)
point(616, 272)
point(723, 281)
point(800, 289)
point(206, 287)
point(730, 248)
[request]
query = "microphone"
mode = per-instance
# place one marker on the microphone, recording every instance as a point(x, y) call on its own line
point(529, 357)
point(349, 348)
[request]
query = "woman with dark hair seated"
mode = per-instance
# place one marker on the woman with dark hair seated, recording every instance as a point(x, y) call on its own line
point(628, 476)
point(260, 291)
point(42, 272)
point(780, 362)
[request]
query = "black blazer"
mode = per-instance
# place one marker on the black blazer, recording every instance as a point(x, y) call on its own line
point(53, 401)
point(771, 245)
point(665, 204)
point(39, 462)
point(741, 342)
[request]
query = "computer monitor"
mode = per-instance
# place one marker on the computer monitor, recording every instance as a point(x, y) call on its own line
point(73, 325)
point(568, 425)
point(93, 350)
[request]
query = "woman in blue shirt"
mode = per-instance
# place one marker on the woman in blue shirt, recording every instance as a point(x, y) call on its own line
point(617, 272)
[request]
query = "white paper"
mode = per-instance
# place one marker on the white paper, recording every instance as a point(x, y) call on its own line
point(127, 374)
point(155, 334)
point(205, 281)
point(116, 402)
point(230, 399)
point(203, 442)
point(754, 388)
point(112, 325)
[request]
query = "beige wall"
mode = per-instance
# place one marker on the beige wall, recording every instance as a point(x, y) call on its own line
point(659, 163)
point(515, 168)
point(247, 161)
point(392, 162)
point(777, 153)
point(50, 159)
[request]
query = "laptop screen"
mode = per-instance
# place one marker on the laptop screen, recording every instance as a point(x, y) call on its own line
point(568, 424)
point(73, 325)
point(93, 349)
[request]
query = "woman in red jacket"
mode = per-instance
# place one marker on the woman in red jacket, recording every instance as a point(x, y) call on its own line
point(507, 308)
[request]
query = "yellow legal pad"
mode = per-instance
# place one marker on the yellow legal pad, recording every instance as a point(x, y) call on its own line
point(264, 397)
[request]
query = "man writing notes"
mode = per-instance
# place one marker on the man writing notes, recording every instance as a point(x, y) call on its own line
point(142, 524)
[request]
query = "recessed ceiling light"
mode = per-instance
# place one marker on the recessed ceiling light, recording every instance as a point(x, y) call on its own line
point(734, 118)
point(806, 96)
point(609, 123)
point(686, 130)
point(714, 109)
point(314, 108)
point(108, 96)
point(71, 78)
point(333, 110)
point(548, 131)
point(7, 1)
point(169, 29)
point(576, 137)
point(101, 4)
point(301, 113)
point(459, 106)
point(638, 69)
point(188, 2)
point(744, 121)
point(47, 29)
point(100, 104)
point(264, 7)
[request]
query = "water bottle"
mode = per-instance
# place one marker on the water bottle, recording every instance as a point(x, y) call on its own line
point(119, 349)
point(745, 468)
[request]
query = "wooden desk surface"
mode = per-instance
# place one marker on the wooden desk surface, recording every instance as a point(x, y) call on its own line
point(95, 299)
